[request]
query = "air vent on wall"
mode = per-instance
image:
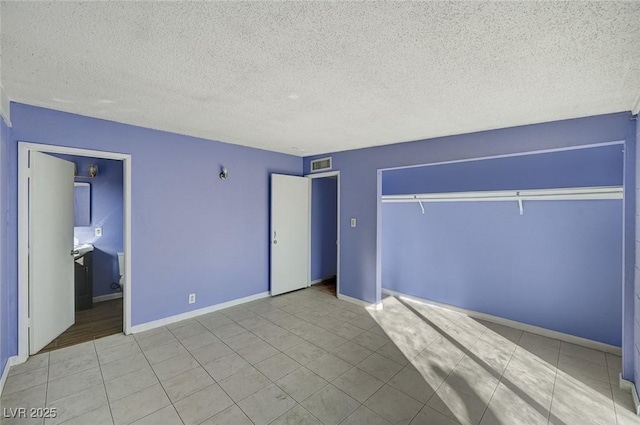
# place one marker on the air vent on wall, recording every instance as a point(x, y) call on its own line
point(321, 164)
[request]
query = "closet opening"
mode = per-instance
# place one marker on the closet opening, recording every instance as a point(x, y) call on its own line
point(534, 240)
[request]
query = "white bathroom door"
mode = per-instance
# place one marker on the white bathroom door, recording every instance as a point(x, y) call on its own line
point(290, 233)
point(51, 270)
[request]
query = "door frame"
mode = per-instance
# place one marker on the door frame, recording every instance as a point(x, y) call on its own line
point(24, 149)
point(320, 176)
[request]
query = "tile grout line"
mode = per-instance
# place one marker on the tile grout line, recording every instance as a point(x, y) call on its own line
point(611, 384)
point(76, 373)
point(214, 380)
point(104, 384)
point(159, 382)
point(453, 369)
point(553, 390)
point(46, 388)
point(301, 365)
point(403, 367)
point(273, 382)
point(501, 375)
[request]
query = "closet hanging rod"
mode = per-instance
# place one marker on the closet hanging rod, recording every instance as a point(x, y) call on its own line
point(577, 193)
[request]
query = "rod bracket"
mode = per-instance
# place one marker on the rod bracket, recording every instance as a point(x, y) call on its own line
point(520, 203)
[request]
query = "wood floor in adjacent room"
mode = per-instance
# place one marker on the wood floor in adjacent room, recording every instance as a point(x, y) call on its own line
point(104, 319)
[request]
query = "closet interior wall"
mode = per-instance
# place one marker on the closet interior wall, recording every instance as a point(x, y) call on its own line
point(537, 238)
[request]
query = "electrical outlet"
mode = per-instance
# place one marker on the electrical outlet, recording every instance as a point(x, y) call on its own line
point(98, 231)
point(192, 298)
point(353, 222)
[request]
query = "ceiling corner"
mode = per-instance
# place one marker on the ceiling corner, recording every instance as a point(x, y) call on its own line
point(636, 105)
point(5, 107)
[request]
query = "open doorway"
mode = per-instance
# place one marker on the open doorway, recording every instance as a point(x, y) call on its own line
point(98, 252)
point(98, 240)
point(325, 227)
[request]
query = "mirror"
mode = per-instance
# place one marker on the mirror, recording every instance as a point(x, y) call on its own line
point(82, 204)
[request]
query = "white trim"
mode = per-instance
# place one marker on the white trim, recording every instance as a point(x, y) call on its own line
point(623, 383)
point(309, 202)
point(107, 297)
point(508, 155)
point(195, 313)
point(570, 193)
point(23, 253)
point(516, 325)
point(23, 232)
point(5, 107)
point(635, 109)
point(11, 361)
point(319, 176)
point(126, 228)
point(629, 386)
point(357, 301)
point(323, 174)
point(323, 279)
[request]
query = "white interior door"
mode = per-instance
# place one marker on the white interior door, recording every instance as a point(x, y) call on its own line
point(290, 221)
point(51, 270)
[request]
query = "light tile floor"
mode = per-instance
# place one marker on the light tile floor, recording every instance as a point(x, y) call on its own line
point(308, 358)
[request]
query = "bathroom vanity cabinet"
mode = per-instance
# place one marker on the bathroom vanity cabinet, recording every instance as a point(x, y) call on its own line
point(84, 281)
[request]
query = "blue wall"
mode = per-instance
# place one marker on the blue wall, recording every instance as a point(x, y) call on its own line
point(324, 222)
point(636, 289)
point(602, 166)
point(629, 250)
point(8, 302)
point(558, 266)
point(488, 258)
point(359, 188)
point(191, 231)
point(106, 212)
point(359, 172)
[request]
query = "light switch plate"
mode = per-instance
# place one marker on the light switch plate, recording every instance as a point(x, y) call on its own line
point(353, 222)
point(98, 231)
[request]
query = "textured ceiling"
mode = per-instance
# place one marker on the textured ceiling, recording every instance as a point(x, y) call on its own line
point(306, 78)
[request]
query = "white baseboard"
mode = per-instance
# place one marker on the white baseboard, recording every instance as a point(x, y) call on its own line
point(360, 302)
point(601, 346)
point(629, 386)
point(5, 372)
point(195, 313)
point(324, 279)
point(107, 297)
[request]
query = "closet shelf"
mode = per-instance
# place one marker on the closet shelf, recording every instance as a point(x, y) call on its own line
point(560, 194)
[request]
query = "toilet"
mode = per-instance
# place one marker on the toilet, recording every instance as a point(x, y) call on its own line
point(121, 269)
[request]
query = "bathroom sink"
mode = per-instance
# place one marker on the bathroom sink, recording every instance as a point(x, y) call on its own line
point(80, 250)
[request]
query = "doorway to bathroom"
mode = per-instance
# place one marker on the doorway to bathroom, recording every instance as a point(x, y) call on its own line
point(98, 241)
point(74, 246)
